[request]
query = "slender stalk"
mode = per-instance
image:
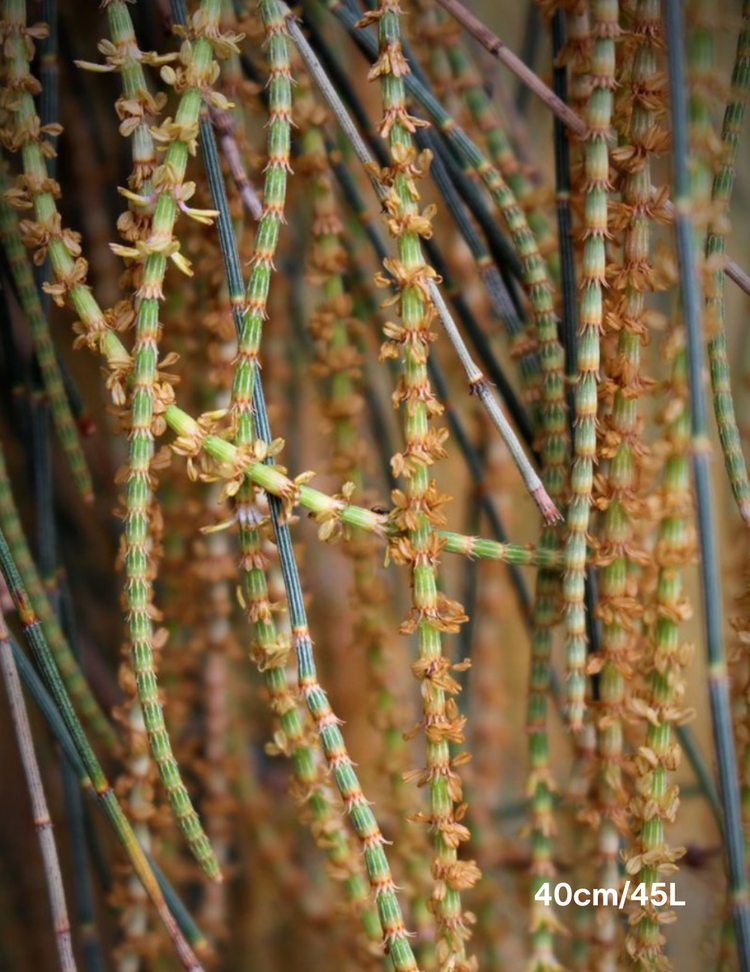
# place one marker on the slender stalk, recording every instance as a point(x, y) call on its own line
point(503, 254)
point(45, 233)
point(395, 937)
point(458, 429)
point(621, 449)
point(591, 317)
point(419, 504)
point(721, 195)
point(168, 182)
point(42, 821)
point(339, 359)
point(231, 463)
point(492, 43)
point(709, 570)
point(540, 785)
point(620, 552)
point(499, 298)
point(656, 801)
point(234, 463)
point(53, 580)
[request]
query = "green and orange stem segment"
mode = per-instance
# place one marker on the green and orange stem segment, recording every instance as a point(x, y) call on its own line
point(45, 233)
point(233, 462)
point(540, 786)
point(520, 346)
point(419, 504)
point(334, 325)
point(620, 450)
point(460, 432)
point(533, 268)
point(545, 616)
point(271, 480)
point(546, 609)
point(656, 800)
point(137, 110)
point(553, 385)
point(704, 164)
point(590, 321)
point(250, 307)
point(70, 671)
point(193, 78)
point(395, 937)
point(271, 649)
point(44, 349)
point(44, 660)
point(723, 185)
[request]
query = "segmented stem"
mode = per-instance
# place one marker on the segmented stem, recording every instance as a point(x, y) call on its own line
point(622, 451)
point(418, 505)
point(476, 380)
point(136, 109)
point(366, 827)
point(340, 358)
point(364, 822)
point(723, 185)
point(591, 317)
point(196, 75)
point(270, 650)
point(666, 655)
point(540, 785)
point(577, 55)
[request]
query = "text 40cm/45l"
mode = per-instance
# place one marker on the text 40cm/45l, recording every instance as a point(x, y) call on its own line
point(659, 893)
